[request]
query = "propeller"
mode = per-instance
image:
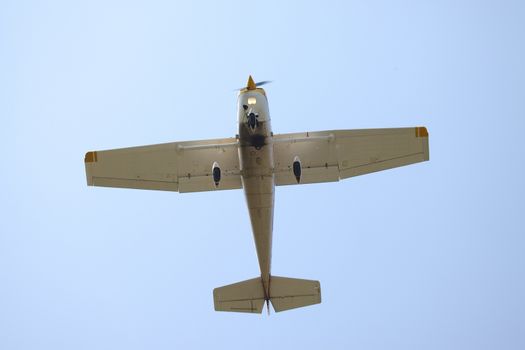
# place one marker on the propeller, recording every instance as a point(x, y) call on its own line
point(264, 82)
point(252, 85)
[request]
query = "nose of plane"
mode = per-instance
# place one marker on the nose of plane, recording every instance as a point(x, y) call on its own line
point(250, 85)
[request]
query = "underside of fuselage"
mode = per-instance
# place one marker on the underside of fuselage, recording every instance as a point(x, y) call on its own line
point(256, 165)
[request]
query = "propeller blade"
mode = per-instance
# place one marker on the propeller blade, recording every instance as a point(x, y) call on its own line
point(264, 82)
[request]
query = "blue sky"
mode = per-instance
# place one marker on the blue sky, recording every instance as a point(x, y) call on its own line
point(426, 256)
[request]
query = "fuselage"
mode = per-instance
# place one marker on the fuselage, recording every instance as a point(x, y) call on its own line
point(256, 164)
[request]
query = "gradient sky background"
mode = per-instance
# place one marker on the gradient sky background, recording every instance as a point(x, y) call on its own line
point(429, 256)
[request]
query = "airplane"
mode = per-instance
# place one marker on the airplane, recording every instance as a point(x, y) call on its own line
point(256, 160)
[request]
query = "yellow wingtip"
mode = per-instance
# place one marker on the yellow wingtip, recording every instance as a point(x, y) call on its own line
point(90, 157)
point(421, 131)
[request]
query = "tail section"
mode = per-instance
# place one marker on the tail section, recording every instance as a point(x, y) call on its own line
point(290, 293)
point(249, 296)
point(246, 296)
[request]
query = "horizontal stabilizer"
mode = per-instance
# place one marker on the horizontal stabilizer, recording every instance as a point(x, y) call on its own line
point(290, 293)
point(246, 296)
point(285, 294)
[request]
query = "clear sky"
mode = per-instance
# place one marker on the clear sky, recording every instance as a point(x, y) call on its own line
point(429, 256)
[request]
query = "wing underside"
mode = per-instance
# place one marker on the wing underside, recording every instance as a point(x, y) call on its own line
point(338, 154)
point(177, 166)
point(325, 156)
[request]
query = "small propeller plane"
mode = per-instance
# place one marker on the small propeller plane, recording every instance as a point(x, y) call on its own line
point(257, 160)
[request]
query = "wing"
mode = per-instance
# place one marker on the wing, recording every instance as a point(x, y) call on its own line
point(177, 166)
point(338, 154)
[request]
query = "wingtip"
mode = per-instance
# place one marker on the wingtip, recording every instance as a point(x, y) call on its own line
point(421, 131)
point(90, 157)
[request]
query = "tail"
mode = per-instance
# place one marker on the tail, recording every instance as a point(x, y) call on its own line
point(249, 296)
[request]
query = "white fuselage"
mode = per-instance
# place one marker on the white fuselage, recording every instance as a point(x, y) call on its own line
point(256, 164)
